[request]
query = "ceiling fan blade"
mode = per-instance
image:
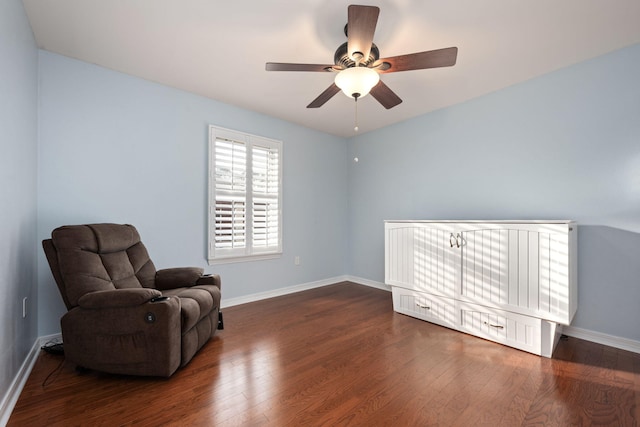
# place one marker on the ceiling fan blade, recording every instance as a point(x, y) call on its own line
point(284, 66)
point(418, 61)
point(385, 96)
point(360, 28)
point(324, 96)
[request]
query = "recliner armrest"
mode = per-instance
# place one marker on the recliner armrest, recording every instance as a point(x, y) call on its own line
point(118, 298)
point(210, 279)
point(181, 277)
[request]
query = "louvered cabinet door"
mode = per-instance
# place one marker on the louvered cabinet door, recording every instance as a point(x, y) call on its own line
point(485, 265)
point(519, 267)
point(418, 257)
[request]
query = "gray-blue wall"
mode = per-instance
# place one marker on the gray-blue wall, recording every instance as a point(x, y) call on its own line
point(18, 170)
point(116, 148)
point(562, 146)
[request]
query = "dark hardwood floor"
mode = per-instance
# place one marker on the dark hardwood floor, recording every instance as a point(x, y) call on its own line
point(339, 355)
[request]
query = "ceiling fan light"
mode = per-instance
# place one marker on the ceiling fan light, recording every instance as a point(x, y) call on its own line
point(357, 80)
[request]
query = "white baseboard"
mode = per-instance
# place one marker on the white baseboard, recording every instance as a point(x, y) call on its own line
point(600, 338)
point(367, 282)
point(281, 291)
point(13, 392)
point(299, 288)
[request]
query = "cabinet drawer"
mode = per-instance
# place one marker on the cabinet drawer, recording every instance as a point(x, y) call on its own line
point(515, 330)
point(432, 308)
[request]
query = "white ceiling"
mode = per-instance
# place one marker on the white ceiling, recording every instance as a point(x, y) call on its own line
point(218, 49)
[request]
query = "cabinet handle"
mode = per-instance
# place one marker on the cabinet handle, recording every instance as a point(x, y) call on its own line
point(457, 238)
point(494, 326)
point(423, 306)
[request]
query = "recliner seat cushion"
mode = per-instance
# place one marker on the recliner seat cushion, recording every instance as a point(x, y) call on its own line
point(196, 303)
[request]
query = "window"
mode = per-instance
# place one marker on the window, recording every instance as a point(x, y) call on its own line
point(245, 196)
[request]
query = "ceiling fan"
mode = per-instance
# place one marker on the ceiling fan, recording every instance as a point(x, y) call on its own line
point(358, 62)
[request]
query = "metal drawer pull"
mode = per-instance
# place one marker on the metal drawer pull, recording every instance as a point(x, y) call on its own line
point(494, 326)
point(423, 306)
point(453, 237)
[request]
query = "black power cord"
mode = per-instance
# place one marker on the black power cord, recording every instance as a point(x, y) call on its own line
point(55, 348)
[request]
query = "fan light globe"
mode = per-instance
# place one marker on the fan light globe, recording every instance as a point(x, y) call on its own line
point(357, 80)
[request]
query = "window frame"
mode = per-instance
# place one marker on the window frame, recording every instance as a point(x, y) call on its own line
point(249, 252)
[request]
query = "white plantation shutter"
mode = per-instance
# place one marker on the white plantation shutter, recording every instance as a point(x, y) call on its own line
point(245, 219)
point(230, 175)
point(266, 189)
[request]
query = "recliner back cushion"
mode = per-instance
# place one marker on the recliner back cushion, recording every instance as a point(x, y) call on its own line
point(98, 257)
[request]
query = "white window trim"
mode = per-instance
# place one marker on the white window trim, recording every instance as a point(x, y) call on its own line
point(249, 253)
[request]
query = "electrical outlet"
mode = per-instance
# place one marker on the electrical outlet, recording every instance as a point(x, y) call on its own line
point(24, 307)
point(296, 260)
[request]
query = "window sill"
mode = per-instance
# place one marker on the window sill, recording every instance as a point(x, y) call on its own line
point(244, 258)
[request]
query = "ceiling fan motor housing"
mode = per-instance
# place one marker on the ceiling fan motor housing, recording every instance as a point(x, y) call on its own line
point(341, 57)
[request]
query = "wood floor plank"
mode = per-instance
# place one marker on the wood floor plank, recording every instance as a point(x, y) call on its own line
point(339, 355)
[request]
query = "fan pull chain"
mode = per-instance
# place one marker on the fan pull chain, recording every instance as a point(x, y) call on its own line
point(356, 127)
point(358, 58)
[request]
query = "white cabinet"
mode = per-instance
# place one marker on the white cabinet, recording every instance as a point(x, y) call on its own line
point(510, 282)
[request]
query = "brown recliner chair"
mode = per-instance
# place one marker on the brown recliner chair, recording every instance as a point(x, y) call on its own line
point(124, 317)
